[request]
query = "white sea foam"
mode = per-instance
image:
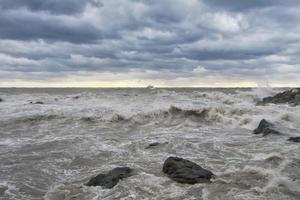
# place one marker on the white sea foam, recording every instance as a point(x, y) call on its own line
point(78, 133)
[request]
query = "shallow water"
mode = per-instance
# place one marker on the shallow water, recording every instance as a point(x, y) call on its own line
point(48, 151)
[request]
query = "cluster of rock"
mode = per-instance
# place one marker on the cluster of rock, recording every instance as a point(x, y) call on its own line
point(291, 97)
point(185, 171)
point(266, 128)
point(178, 169)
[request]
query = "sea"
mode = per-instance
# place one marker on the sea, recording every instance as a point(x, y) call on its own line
point(53, 140)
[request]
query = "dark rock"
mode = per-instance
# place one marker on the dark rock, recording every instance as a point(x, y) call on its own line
point(1, 99)
point(294, 139)
point(112, 178)
point(155, 144)
point(291, 97)
point(265, 128)
point(3, 190)
point(185, 171)
point(76, 97)
point(37, 102)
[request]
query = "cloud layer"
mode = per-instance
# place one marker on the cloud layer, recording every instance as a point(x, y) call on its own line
point(136, 42)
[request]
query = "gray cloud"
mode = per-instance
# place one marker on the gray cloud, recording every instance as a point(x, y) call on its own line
point(182, 38)
point(237, 5)
point(65, 7)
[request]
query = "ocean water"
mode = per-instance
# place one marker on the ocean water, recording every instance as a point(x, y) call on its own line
point(48, 151)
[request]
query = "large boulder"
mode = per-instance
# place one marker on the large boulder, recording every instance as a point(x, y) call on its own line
point(265, 128)
point(110, 179)
point(294, 139)
point(185, 171)
point(291, 97)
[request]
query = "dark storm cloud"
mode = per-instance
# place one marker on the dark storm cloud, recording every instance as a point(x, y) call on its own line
point(182, 37)
point(25, 26)
point(242, 5)
point(53, 6)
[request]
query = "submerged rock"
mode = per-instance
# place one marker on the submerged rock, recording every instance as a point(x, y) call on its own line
point(265, 128)
point(3, 190)
point(290, 97)
point(37, 102)
point(1, 99)
point(294, 139)
point(112, 178)
point(185, 171)
point(155, 144)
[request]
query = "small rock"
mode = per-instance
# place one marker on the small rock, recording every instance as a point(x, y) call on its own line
point(185, 171)
point(265, 128)
point(112, 178)
point(1, 99)
point(155, 144)
point(37, 102)
point(294, 139)
point(3, 190)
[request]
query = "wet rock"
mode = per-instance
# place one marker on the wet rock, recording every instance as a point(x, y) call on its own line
point(291, 97)
point(76, 97)
point(3, 190)
point(294, 139)
point(155, 144)
point(265, 128)
point(37, 102)
point(185, 171)
point(88, 119)
point(112, 178)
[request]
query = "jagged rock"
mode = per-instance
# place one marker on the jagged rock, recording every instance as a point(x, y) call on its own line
point(265, 128)
point(155, 144)
point(112, 178)
point(291, 97)
point(294, 139)
point(185, 171)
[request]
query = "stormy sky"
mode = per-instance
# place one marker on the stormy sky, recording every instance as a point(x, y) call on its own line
point(120, 43)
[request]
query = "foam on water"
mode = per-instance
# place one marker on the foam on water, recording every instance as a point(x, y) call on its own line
point(50, 150)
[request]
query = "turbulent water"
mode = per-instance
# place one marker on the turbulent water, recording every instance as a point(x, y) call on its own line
point(48, 151)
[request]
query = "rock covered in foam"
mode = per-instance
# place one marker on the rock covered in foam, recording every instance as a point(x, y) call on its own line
point(265, 128)
point(185, 171)
point(294, 139)
point(110, 179)
point(291, 97)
